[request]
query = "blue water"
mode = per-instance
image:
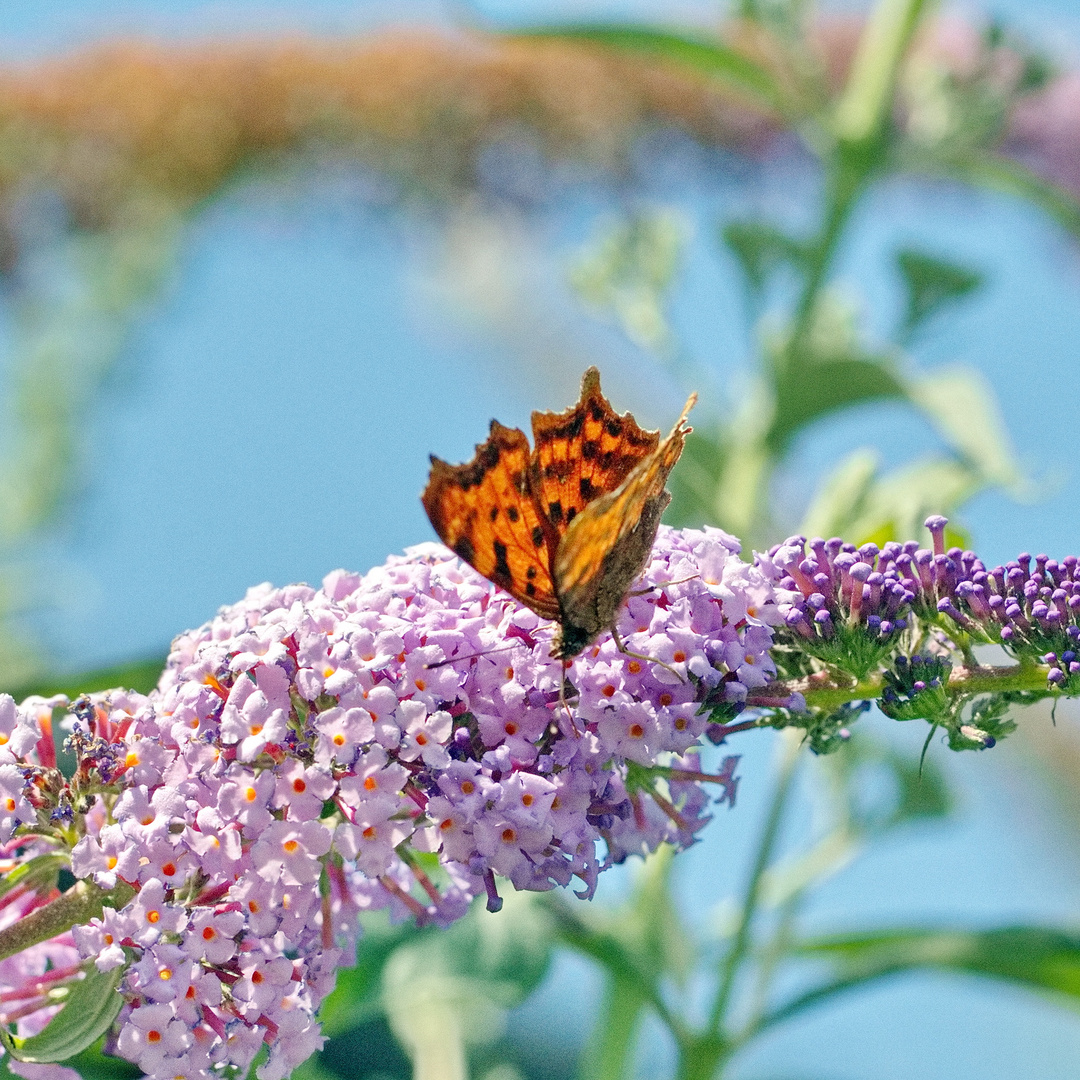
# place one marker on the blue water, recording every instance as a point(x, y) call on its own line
point(272, 413)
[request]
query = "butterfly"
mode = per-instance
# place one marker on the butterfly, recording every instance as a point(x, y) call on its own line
point(568, 526)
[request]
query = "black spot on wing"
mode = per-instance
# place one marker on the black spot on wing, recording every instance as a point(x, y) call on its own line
point(571, 514)
point(494, 513)
point(501, 574)
point(586, 487)
point(589, 449)
point(464, 549)
point(537, 535)
point(512, 514)
point(555, 511)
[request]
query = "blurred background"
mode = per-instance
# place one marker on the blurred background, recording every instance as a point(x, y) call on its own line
point(260, 259)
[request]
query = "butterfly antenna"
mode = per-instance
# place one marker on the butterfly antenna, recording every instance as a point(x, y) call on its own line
point(469, 656)
point(621, 646)
point(661, 585)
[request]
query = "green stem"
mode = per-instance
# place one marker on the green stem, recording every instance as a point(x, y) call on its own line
point(609, 1053)
point(81, 903)
point(766, 844)
point(823, 691)
point(700, 1058)
point(863, 110)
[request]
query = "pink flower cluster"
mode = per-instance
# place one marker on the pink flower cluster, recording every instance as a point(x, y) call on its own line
point(390, 740)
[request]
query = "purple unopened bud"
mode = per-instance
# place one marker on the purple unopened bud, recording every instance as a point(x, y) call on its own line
point(1056, 676)
point(823, 621)
point(936, 524)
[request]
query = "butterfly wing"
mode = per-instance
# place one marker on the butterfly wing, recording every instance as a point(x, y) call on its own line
point(483, 511)
point(608, 543)
point(583, 453)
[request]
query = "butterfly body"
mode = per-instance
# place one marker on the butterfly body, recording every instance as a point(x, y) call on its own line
point(567, 527)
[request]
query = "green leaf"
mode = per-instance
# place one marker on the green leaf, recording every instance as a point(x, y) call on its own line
point(139, 675)
point(1006, 175)
point(762, 249)
point(694, 483)
point(894, 506)
point(89, 1008)
point(962, 406)
point(931, 284)
point(627, 272)
point(809, 390)
point(357, 995)
point(704, 54)
point(866, 102)
point(39, 873)
point(841, 497)
point(1038, 957)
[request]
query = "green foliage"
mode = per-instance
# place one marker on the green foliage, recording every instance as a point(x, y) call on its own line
point(931, 284)
point(762, 249)
point(430, 983)
point(1035, 957)
point(701, 53)
point(88, 1008)
point(627, 272)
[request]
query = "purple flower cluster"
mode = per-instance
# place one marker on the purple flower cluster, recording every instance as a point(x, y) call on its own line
point(308, 752)
point(848, 603)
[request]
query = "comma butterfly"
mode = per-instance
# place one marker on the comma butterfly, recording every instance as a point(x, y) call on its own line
point(565, 528)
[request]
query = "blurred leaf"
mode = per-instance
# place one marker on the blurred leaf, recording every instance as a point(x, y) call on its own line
point(963, 407)
point(88, 1009)
point(92, 1064)
point(707, 55)
point(357, 995)
point(867, 99)
point(855, 502)
point(931, 283)
point(999, 173)
point(809, 390)
point(762, 249)
point(140, 675)
point(609, 1054)
point(1036, 957)
point(628, 271)
point(39, 874)
point(841, 498)
point(694, 483)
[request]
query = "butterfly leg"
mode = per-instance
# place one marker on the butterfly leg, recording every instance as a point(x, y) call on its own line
point(563, 703)
point(621, 646)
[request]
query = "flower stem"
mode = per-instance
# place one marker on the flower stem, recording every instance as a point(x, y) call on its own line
point(766, 845)
point(610, 1052)
point(81, 903)
point(825, 691)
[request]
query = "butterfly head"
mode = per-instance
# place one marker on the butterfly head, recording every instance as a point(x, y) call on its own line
point(569, 639)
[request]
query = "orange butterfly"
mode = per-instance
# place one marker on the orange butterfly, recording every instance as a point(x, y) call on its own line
point(567, 528)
